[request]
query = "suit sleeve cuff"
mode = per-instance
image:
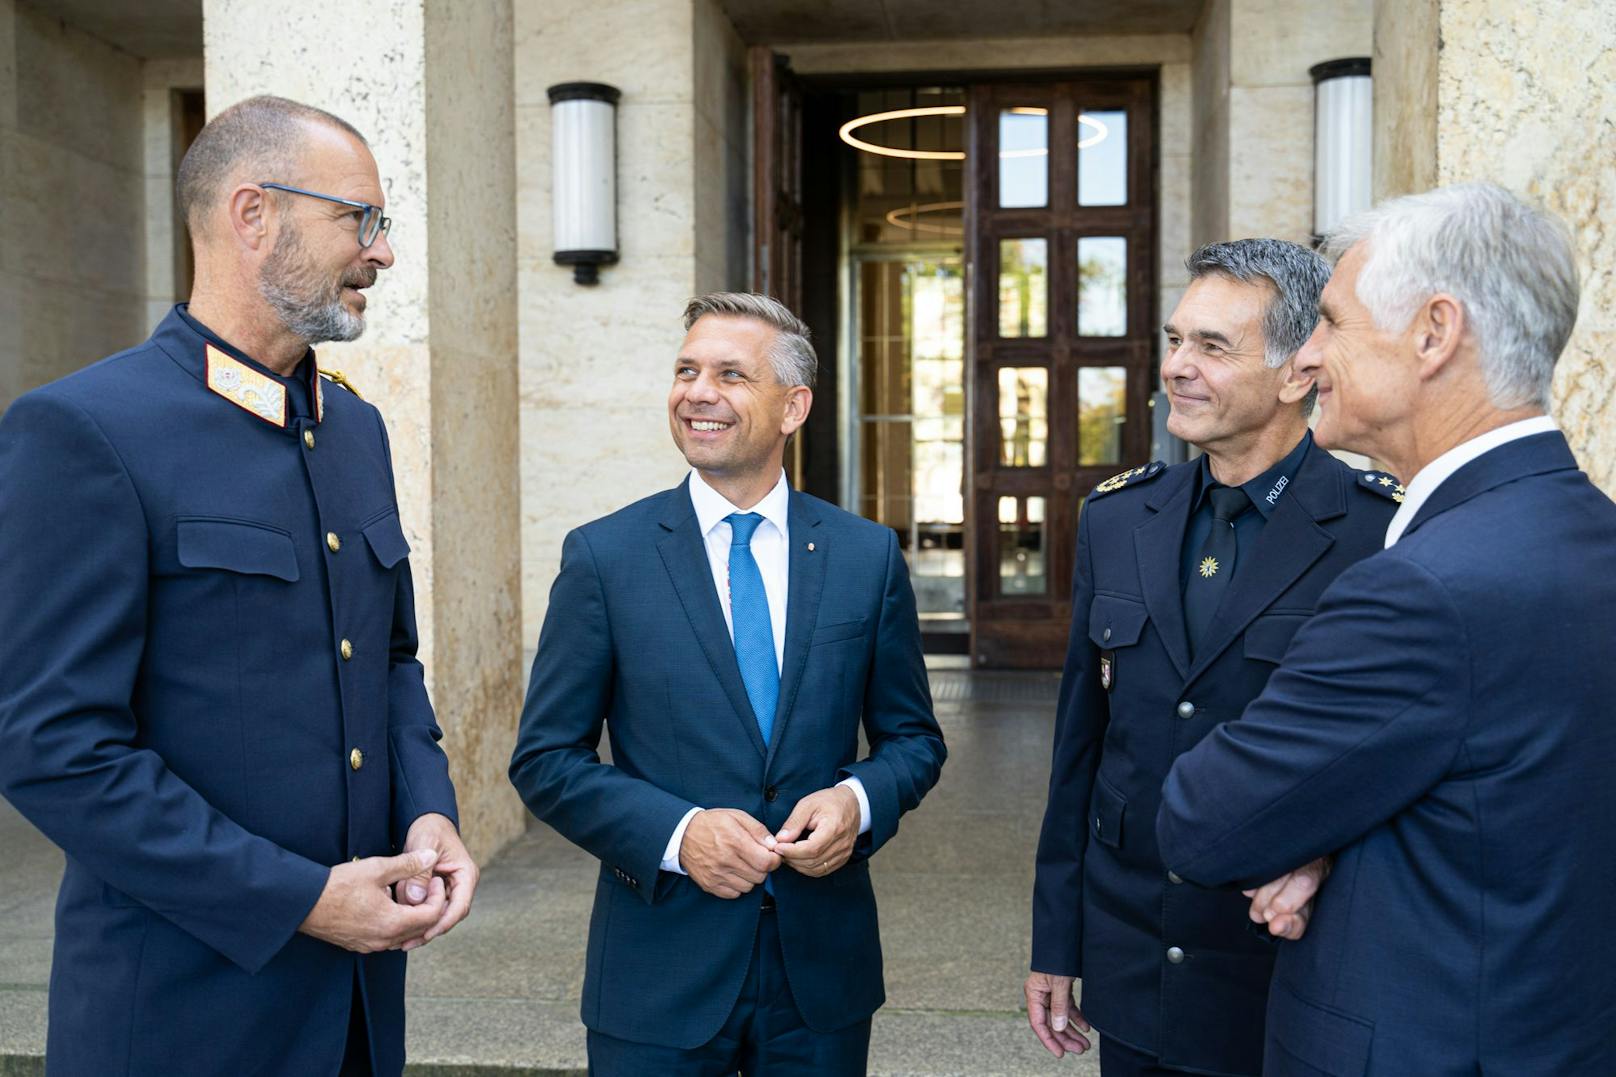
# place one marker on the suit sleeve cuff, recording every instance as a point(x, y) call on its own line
point(864, 802)
point(670, 855)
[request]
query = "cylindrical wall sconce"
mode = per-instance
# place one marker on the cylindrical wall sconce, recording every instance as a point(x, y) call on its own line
point(1343, 139)
point(583, 155)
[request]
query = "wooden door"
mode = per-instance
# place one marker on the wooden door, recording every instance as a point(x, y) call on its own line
point(777, 195)
point(1061, 237)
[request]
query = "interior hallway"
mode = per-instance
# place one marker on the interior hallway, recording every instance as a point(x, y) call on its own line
point(500, 995)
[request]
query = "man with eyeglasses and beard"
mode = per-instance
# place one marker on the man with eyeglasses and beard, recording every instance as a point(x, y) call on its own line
point(209, 696)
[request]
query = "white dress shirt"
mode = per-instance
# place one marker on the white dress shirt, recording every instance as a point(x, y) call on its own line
point(1438, 471)
point(771, 549)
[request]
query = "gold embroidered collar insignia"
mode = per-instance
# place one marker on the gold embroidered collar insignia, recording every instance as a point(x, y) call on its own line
point(246, 388)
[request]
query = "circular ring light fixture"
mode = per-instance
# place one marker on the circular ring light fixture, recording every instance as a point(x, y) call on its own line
point(846, 133)
point(908, 217)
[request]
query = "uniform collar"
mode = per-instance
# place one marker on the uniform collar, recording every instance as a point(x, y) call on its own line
point(1266, 489)
point(227, 371)
point(712, 507)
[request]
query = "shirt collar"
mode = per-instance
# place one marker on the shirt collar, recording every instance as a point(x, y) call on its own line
point(1438, 471)
point(1266, 489)
point(712, 507)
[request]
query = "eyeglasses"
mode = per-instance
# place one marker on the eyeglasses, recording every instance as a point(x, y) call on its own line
point(372, 225)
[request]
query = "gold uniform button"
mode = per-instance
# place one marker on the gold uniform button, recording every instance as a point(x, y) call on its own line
point(356, 860)
point(333, 541)
point(346, 649)
point(308, 438)
point(356, 759)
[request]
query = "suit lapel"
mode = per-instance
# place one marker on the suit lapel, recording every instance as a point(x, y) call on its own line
point(1157, 544)
point(684, 555)
point(807, 574)
point(1290, 542)
point(1532, 455)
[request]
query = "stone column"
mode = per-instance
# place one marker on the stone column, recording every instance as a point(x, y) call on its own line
point(1254, 110)
point(429, 82)
point(1521, 93)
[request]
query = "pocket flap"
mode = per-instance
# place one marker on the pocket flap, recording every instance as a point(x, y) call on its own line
point(1268, 637)
point(386, 538)
point(1116, 622)
point(237, 546)
point(840, 630)
point(1105, 816)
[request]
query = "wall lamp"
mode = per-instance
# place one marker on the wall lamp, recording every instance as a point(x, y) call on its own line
point(583, 160)
point(1343, 139)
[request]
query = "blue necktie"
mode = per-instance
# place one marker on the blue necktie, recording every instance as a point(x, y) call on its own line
point(749, 613)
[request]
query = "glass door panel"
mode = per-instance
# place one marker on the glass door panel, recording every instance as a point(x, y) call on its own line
point(912, 419)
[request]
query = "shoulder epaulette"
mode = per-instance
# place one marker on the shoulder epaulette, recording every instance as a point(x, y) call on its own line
point(1132, 477)
point(335, 378)
point(1383, 484)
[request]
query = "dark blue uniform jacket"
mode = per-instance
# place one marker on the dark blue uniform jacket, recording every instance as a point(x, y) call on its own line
point(1444, 727)
point(181, 567)
point(1167, 966)
point(635, 640)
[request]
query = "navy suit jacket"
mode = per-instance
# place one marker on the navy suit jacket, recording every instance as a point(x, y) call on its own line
point(1443, 727)
point(1104, 907)
point(177, 715)
point(634, 638)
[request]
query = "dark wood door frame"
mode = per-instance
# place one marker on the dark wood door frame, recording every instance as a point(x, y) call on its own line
point(1031, 630)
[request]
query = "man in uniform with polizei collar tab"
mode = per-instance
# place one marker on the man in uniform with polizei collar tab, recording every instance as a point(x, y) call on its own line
point(209, 694)
point(1189, 582)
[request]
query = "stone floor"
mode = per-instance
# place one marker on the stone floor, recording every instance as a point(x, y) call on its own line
point(500, 995)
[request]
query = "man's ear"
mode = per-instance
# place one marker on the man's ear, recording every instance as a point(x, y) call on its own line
point(1295, 387)
point(1436, 332)
point(799, 401)
point(249, 210)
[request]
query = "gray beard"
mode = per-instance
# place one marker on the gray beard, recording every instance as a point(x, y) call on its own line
point(307, 306)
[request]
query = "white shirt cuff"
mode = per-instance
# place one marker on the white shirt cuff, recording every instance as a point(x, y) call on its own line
point(670, 855)
point(864, 802)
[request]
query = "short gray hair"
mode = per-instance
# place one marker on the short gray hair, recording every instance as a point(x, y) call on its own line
point(1511, 267)
point(266, 133)
point(791, 355)
point(1297, 274)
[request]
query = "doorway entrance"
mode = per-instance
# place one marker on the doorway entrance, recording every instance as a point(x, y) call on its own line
point(978, 268)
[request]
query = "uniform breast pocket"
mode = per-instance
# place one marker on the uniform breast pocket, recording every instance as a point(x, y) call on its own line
point(1269, 636)
point(241, 546)
point(385, 536)
point(841, 630)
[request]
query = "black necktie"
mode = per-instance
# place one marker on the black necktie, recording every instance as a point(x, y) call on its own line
point(1214, 565)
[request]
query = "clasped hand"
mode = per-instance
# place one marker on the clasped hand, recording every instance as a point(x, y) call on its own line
point(398, 902)
point(1286, 904)
point(728, 853)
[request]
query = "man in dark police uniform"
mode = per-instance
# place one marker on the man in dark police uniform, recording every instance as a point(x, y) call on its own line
point(209, 696)
point(1189, 583)
point(1443, 725)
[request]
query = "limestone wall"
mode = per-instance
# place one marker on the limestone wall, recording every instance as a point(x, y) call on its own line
point(72, 245)
point(597, 361)
point(1522, 94)
point(431, 90)
point(1254, 110)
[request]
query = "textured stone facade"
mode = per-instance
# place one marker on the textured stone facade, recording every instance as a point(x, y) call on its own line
point(430, 84)
point(1524, 95)
point(71, 199)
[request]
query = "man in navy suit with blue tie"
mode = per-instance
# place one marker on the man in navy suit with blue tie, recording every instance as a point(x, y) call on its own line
point(1442, 727)
point(730, 634)
point(1190, 582)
